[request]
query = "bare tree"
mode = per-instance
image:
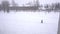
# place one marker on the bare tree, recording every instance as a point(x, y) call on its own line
point(0, 7)
point(5, 6)
point(15, 5)
point(57, 6)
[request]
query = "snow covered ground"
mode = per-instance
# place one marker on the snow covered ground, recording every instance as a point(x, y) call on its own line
point(29, 22)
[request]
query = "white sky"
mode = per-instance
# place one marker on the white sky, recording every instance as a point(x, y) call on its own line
point(40, 1)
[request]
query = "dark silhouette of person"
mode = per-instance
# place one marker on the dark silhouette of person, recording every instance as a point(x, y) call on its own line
point(41, 21)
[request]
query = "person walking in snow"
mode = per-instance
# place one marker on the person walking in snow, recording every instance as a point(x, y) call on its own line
point(41, 21)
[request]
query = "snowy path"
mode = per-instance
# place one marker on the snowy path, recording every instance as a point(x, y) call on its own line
point(28, 23)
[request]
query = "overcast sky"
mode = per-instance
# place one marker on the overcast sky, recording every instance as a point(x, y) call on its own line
point(40, 1)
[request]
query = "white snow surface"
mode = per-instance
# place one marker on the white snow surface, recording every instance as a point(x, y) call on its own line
point(29, 22)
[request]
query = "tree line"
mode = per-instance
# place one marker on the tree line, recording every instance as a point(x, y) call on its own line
point(5, 5)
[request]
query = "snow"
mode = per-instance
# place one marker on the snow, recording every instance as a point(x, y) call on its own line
point(29, 22)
